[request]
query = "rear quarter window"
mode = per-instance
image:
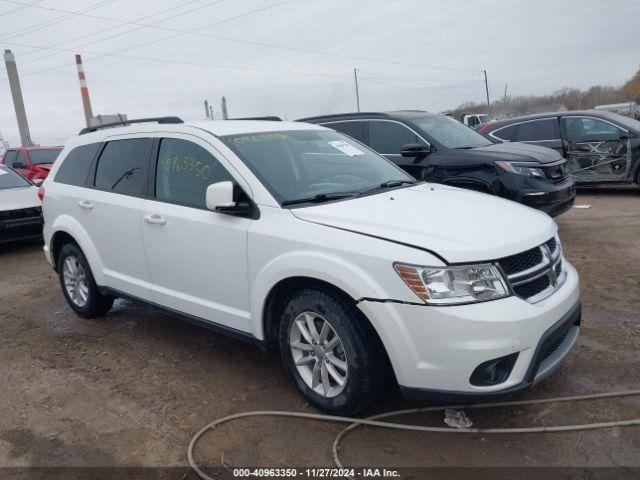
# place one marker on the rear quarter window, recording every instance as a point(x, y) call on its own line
point(75, 166)
point(355, 129)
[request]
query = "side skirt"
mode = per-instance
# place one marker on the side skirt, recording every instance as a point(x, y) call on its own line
point(198, 321)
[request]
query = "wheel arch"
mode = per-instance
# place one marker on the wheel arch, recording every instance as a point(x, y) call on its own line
point(275, 302)
point(66, 229)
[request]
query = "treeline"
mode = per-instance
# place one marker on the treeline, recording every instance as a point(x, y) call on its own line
point(566, 98)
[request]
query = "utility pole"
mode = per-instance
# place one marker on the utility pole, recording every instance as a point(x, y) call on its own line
point(18, 102)
point(211, 111)
point(504, 100)
point(223, 107)
point(486, 86)
point(355, 78)
point(206, 108)
point(84, 91)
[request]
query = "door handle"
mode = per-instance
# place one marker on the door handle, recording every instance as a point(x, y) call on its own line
point(85, 204)
point(154, 219)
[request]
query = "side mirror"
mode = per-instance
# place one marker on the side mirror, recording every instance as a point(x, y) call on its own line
point(624, 136)
point(416, 150)
point(220, 198)
point(19, 165)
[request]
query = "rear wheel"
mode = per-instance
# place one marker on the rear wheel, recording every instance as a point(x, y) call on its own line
point(78, 285)
point(332, 356)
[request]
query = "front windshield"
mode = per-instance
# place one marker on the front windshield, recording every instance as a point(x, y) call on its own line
point(11, 179)
point(450, 132)
point(38, 157)
point(302, 164)
point(626, 122)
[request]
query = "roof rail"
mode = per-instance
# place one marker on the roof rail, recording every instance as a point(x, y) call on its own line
point(271, 118)
point(348, 114)
point(95, 128)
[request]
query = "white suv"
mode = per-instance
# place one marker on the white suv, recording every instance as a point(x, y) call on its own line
point(304, 241)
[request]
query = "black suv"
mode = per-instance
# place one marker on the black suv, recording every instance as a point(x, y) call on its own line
point(437, 148)
point(601, 147)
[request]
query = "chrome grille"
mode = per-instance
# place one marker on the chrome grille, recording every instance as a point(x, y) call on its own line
point(536, 273)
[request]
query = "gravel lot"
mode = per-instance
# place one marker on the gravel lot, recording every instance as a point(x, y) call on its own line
point(130, 389)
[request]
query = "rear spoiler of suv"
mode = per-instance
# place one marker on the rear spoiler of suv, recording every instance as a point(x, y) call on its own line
point(95, 128)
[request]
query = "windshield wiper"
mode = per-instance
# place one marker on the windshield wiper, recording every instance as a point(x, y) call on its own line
point(321, 197)
point(391, 184)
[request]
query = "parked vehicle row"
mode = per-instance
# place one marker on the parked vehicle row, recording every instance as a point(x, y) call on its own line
point(600, 146)
point(20, 207)
point(305, 241)
point(34, 163)
point(437, 148)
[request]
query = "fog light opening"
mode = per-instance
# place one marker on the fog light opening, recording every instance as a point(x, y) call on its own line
point(493, 372)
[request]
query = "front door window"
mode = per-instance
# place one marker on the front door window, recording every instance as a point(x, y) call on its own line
point(596, 150)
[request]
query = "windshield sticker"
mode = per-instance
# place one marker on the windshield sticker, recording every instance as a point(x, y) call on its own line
point(3, 171)
point(346, 148)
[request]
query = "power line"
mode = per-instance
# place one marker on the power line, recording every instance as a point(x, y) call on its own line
point(270, 45)
point(117, 52)
point(426, 87)
point(48, 23)
point(93, 34)
point(169, 61)
point(20, 8)
point(128, 31)
point(373, 75)
point(181, 33)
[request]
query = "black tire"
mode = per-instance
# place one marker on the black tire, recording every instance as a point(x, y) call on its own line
point(96, 303)
point(366, 359)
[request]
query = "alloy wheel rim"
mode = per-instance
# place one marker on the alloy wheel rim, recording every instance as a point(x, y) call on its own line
point(75, 281)
point(318, 354)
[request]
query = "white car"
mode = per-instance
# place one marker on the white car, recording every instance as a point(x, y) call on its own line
point(20, 207)
point(302, 240)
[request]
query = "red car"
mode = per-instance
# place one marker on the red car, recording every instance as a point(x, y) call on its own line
point(32, 163)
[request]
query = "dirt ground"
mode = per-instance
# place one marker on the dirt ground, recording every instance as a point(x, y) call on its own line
point(130, 389)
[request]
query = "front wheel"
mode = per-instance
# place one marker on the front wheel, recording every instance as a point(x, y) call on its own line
point(332, 355)
point(78, 285)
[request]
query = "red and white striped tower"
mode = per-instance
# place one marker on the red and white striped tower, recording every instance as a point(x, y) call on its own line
point(84, 92)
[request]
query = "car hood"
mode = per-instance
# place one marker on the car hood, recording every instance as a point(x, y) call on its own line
point(17, 198)
point(455, 224)
point(518, 152)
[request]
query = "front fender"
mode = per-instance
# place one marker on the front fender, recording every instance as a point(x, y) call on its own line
point(69, 225)
point(333, 269)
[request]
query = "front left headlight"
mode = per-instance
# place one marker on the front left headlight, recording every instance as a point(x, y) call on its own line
point(454, 285)
point(521, 170)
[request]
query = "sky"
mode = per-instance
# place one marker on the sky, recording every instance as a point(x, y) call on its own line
point(296, 58)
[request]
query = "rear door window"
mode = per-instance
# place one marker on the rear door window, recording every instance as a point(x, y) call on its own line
point(388, 137)
point(122, 166)
point(506, 133)
point(76, 165)
point(537, 130)
point(357, 129)
point(184, 171)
